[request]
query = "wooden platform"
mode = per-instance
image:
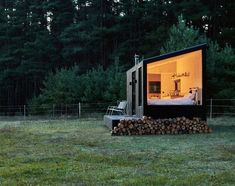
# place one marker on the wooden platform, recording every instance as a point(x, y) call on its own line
point(112, 120)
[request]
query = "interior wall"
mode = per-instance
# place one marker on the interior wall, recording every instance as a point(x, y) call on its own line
point(190, 63)
point(167, 85)
point(167, 70)
point(168, 66)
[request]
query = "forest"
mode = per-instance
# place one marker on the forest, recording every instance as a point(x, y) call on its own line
point(65, 51)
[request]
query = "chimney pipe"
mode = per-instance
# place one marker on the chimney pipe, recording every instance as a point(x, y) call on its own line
point(136, 59)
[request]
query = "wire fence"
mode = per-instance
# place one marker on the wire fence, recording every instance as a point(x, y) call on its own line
point(54, 111)
point(220, 107)
point(215, 108)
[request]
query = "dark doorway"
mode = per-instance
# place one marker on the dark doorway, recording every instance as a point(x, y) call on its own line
point(140, 86)
point(133, 93)
point(177, 86)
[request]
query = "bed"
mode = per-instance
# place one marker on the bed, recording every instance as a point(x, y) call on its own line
point(189, 99)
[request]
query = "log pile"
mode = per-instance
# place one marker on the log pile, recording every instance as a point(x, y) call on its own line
point(149, 126)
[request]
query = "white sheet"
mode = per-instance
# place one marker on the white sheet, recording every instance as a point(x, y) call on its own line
point(176, 101)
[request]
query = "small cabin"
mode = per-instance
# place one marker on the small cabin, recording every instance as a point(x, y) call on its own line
point(169, 85)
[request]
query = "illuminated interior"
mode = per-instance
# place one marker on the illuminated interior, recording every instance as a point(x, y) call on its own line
point(176, 80)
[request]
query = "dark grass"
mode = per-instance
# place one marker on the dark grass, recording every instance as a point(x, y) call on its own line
point(84, 153)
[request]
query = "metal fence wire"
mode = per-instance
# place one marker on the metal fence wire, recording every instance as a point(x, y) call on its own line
point(220, 107)
point(215, 108)
point(55, 111)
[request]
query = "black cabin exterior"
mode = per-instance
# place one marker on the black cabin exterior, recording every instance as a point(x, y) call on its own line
point(169, 85)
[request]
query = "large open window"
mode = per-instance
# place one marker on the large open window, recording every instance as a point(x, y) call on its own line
point(176, 80)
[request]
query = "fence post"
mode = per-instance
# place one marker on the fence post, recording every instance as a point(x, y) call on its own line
point(211, 105)
point(79, 110)
point(24, 111)
point(61, 109)
point(53, 110)
point(66, 111)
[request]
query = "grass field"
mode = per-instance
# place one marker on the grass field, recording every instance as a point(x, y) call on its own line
point(84, 153)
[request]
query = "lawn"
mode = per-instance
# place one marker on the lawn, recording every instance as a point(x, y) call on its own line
point(77, 152)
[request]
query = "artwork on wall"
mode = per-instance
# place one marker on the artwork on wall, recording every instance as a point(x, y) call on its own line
point(154, 87)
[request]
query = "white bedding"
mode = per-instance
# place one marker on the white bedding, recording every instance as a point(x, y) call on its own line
point(176, 101)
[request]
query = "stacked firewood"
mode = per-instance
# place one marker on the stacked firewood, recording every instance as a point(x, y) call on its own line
point(147, 125)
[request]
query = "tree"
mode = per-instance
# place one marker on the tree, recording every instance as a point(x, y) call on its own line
point(220, 61)
point(221, 71)
point(37, 37)
point(27, 52)
point(182, 36)
point(101, 85)
point(61, 14)
point(68, 86)
point(15, 24)
point(61, 87)
point(214, 18)
point(116, 83)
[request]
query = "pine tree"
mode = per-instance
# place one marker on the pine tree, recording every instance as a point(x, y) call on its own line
point(61, 14)
point(182, 36)
point(13, 36)
point(219, 61)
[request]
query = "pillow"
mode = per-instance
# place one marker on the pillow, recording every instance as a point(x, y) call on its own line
point(187, 95)
point(190, 96)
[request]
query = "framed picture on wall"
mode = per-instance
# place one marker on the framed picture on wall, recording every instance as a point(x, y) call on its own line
point(154, 87)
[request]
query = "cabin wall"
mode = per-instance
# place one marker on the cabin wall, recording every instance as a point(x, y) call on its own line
point(129, 92)
point(196, 70)
point(142, 87)
point(138, 96)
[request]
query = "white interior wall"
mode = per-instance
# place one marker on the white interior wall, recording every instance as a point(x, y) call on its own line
point(190, 63)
